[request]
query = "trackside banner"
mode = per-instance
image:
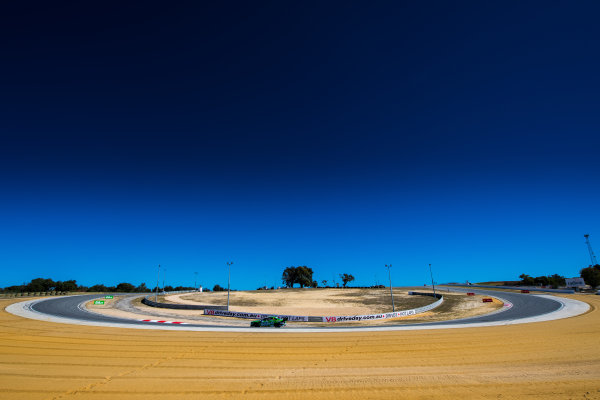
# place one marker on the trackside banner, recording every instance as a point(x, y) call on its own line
point(371, 317)
point(221, 313)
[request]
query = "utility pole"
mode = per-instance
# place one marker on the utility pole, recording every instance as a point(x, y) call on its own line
point(589, 245)
point(229, 263)
point(157, 281)
point(391, 291)
point(432, 283)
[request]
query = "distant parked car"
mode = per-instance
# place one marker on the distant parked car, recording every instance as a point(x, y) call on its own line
point(269, 321)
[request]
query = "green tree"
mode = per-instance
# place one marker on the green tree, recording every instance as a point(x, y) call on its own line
point(142, 288)
point(125, 287)
point(324, 282)
point(289, 276)
point(218, 288)
point(346, 278)
point(526, 280)
point(66, 286)
point(556, 280)
point(301, 275)
point(304, 276)
point(541, 281)
point(98, 288)
point(591, 275)
point(40, 285)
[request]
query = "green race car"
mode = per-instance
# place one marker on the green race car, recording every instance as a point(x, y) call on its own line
point(269, 321)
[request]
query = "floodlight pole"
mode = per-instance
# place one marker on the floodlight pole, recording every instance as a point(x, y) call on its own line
point(157, 282)
point(391, 292)
point(228, 281)
point(432, 283)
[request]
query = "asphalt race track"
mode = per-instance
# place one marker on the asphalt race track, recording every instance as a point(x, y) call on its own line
point(524, 306)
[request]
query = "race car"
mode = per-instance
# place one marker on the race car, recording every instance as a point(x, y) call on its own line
point(269, 321)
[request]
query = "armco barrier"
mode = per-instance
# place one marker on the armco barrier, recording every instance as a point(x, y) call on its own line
point(221, 311)
point(567, 291)
point(171, 306)
point(397, 314)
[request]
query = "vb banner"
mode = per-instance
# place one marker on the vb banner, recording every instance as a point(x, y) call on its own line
point(373, 317)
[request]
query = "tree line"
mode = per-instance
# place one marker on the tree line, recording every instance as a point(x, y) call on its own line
point(49, 285)
point(590, 275)
point(551, 280)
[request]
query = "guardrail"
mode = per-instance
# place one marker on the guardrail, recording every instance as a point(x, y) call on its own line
point(173, 306)
point(330, 319)
point(567, 291)
point(396, 314)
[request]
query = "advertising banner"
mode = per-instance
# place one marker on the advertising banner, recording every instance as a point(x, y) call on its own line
point(222, 313)
point(373, 317)
point(574, 282)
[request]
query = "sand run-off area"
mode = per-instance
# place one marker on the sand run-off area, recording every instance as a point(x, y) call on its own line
point(546, 360)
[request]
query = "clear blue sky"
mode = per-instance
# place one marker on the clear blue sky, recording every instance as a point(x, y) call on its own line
point(341, 136)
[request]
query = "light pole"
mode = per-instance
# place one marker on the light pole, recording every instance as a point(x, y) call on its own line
point(229, 263)
point(391, 292)
point(157, 281)
point(432, 283)
point(195, 280)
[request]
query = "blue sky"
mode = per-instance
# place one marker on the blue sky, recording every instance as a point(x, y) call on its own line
point(342, 136)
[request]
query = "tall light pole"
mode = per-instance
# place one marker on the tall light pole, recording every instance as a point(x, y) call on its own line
point(391, 291)
point(432, 283)
point(229, 263)
point(157, 282)
point(195, 280)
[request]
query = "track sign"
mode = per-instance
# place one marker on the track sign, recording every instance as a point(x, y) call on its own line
point(524, 291)
point(108, 297)
point(470, 294)
point(487, 300)
point(98, 302)
point(574, 282)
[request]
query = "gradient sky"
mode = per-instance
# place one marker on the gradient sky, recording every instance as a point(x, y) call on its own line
point(338, 135)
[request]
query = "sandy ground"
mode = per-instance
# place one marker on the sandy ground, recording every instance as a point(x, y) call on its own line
point(548, 360)
point(325, 302)
point(315, 302)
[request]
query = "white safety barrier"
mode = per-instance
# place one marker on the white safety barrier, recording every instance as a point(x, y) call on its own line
point(397, 314)
point(221, 313)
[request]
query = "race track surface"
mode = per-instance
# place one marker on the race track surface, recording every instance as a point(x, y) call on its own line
point(522, 307)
